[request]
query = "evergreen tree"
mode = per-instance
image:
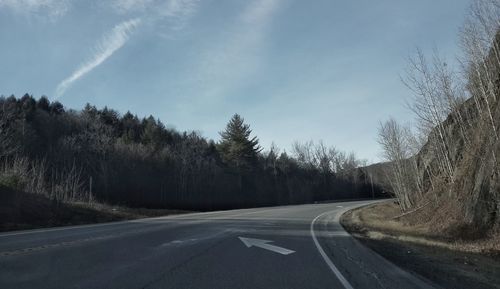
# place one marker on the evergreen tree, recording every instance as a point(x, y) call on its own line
point(56, 108)
point(152, 132)
point(131, 128)
point(65, 154)
point(236, 146)
point(43, 103)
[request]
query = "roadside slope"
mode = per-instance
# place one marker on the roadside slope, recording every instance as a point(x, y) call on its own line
point(21, 211)
point(450, 263)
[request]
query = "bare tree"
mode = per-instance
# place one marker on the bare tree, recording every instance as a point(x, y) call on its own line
point(326, 159)
point(322, 158)
point(480, 45)
point(271, 157)
point(434, 99)
point(397, 151)
point(304, 153)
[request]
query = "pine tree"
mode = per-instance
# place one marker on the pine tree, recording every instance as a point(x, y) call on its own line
point(153, 132)
point(236, 146)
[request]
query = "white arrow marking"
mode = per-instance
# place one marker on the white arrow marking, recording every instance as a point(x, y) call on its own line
point(249, 242)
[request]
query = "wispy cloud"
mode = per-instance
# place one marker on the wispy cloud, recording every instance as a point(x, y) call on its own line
point(175, 13)
point(44, 8)
point(229, 63)
point(178, 12)
point(127, 6)
point(108, 45)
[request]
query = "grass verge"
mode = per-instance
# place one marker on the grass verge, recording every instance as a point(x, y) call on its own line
point(450, 263)
point(22, 211)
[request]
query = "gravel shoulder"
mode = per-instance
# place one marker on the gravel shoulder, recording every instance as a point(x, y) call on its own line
point(457, 264)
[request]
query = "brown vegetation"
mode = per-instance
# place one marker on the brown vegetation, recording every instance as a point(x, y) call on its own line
point(19, 211)
point(451, 183)
point(418, 246)
point(384, 220)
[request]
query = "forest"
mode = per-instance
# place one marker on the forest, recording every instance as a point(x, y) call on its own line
point(99, 155)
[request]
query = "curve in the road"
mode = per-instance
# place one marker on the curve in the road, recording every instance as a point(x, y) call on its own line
point(329, 262)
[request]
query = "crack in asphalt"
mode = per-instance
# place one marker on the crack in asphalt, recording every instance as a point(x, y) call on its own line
point(351, 258)
point(164, 274)
point(34, 249)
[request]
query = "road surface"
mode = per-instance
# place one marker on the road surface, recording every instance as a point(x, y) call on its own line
point(280, 247)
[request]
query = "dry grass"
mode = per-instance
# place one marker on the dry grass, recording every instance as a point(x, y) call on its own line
point(127, 212)
point(420, 248)
point(20, 211)
point(378, 222)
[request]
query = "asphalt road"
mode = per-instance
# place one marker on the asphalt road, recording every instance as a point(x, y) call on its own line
point(281, 247)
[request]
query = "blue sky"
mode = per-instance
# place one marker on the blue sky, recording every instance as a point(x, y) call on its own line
point(296, 70)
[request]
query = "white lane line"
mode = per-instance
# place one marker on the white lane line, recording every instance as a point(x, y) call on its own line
point(329, 262)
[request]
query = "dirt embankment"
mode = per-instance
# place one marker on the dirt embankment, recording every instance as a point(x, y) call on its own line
point(450, 263)
point(20, 211)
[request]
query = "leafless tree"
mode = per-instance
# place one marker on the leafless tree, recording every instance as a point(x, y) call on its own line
point(396, 144)
point(304, 153)
point(434, 98)
point(480, 44)
point(326, 159)
point(272, 157)
point(322, 158)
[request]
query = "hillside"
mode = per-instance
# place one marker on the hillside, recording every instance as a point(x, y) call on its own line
point(468, 201)
point(444, 169)
point(21, 211)
point(99, 155)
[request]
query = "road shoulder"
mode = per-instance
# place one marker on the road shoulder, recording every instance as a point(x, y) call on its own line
point(450, 264)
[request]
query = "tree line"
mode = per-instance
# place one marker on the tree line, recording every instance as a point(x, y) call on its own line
point(99, 155)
